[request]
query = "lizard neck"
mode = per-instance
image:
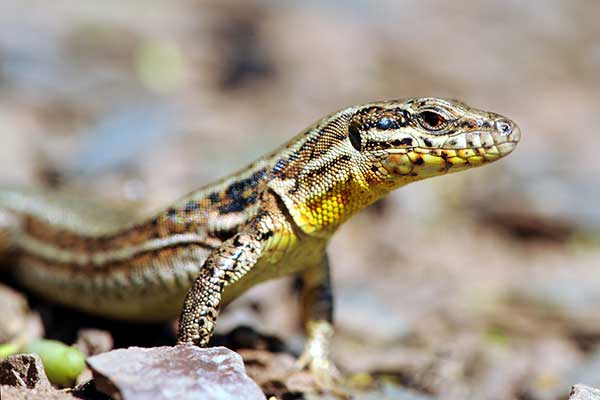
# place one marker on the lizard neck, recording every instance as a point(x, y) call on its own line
point(321, 179)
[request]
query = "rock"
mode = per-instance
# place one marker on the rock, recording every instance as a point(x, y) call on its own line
point(91, 342)
point(14, 311)
point(43, 393)
point(23, 370)
point(94, 341)
point(582, 392)
point(20, 393)
point(588, 371)
point(180, 372)
point(276, 373)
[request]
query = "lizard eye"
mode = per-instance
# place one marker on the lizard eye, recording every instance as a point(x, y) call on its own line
point(432, 120)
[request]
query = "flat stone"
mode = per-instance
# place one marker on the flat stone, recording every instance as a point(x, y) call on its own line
point(180, 372)
point(41, 393)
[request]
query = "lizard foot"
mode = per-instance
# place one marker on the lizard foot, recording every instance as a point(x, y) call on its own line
point(326, 375)
point(316, 358)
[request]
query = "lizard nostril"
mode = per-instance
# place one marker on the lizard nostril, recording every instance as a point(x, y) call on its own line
point(504, 127)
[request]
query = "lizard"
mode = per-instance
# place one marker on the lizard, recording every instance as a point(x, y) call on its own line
point(270, 219)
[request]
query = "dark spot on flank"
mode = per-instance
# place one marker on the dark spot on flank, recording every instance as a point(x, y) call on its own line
point(419, 161)
point(374, 168)
point(279, 166)
point(214, 198)
point(236, 241)
point(427, 142)
point(414, 174)
point(171, 212)
point(237, 204)
point(191, 206)
point(242, 194)
point(266, 235)
point(407, 141)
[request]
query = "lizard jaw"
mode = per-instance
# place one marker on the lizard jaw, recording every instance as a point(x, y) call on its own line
point(421, 162)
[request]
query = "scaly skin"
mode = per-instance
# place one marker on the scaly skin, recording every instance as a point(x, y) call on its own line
point(271, 219)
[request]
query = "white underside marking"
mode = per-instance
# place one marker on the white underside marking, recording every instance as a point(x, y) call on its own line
point(50, 252)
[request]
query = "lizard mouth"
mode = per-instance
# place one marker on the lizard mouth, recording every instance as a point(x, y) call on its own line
point(504, 140)
point(422, 162)
point(492, 152)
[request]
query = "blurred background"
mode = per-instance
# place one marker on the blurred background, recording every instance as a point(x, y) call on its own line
point(481, 285)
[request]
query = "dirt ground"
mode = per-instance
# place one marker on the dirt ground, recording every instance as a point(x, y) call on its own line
point(480, 285)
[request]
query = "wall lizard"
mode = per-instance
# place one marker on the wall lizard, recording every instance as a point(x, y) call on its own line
point(270, 219)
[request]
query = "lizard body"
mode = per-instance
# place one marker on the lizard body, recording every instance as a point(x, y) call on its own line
point(270, 219)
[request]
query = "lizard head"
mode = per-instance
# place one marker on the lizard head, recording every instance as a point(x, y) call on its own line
point(350, 159)
point(405, 141)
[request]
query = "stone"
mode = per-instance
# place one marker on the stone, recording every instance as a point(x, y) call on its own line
point(23, 370)
point(582, 392)
point(179, 372)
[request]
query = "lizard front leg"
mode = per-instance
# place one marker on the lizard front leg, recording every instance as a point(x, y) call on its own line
point(225, 266)
point(317, 312)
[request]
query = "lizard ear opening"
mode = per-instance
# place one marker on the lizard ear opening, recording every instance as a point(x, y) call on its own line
point(354, 136)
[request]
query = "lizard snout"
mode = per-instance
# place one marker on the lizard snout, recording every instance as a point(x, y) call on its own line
point(506, 135)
